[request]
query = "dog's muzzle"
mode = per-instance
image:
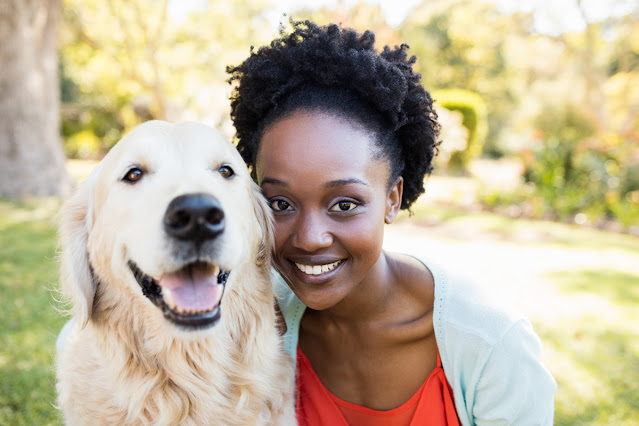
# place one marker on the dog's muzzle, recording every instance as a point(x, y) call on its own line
point(189, 297)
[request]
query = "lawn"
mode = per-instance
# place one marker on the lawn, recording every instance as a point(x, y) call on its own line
point(580, 287)
point(29, 322)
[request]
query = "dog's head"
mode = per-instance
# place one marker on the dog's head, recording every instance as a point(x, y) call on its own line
point(166, 217)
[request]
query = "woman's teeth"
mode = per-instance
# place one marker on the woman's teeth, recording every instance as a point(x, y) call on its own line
point(317, 269)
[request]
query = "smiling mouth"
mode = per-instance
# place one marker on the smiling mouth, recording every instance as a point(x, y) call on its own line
point(317, 269)
point(188, 297)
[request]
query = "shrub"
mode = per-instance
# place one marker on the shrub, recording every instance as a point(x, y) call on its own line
point(473, 110)
point(572, 173)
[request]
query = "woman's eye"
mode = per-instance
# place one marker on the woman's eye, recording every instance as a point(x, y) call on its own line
point(226, 171)
point(343, 206)
point(133, 175)
point(281, 205)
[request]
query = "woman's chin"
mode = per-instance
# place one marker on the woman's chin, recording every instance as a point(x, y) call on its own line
point(317, 304)
point(318, 298)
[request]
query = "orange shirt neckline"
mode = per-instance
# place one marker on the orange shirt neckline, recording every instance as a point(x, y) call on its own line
point(316, 406)
point(405, 406)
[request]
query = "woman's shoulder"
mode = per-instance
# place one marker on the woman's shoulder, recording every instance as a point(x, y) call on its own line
point(462, 303)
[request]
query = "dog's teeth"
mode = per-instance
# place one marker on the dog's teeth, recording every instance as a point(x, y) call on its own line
point(325, 268)
point(168, 298)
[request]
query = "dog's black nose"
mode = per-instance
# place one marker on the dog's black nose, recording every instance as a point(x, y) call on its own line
point(195, 217)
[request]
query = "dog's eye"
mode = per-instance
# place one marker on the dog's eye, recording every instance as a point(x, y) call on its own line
point(133, 175)
point(226, 171)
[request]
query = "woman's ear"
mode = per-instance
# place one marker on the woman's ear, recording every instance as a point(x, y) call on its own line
point(264, 217)
point(75, 273)
point(394, 200)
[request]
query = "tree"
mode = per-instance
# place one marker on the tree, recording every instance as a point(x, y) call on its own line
point(32, 162)
point(360, 16)
point(465, 44)
point(127, 61)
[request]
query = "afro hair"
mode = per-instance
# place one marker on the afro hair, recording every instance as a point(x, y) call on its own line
point(338, 71)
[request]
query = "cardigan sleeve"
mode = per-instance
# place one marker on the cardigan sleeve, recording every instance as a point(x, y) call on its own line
point(292, 310)
point(514, 387)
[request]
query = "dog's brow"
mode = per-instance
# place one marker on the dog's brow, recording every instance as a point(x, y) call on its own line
point(274, 182)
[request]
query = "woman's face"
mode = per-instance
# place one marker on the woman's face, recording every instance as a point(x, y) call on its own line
point(330, 200)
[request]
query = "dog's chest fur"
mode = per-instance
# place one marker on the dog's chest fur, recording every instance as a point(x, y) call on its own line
point(143, 378)
point(186, 384)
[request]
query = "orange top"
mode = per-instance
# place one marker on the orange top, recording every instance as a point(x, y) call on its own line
point(432, 404)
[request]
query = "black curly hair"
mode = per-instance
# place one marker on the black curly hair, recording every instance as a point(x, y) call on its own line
point(338, 71)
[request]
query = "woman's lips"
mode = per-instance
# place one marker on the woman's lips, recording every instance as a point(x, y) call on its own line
point(320, 271)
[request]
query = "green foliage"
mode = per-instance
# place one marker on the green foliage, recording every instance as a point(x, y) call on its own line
point(559, 169)
point(124, 62)
point(473, 110)
point(573, 172)
point(466, 44)
point(361, 16)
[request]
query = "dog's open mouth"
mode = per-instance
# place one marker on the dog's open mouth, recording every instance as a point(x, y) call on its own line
point(189, 296)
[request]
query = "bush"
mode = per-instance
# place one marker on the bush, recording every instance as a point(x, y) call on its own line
point(89, 131)
point(91, 124)
point(572, 174)
point(473, 110)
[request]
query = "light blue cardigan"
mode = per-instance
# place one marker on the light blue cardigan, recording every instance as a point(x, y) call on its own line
point(490, 355)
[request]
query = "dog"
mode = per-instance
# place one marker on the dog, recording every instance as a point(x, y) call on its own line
point(165, 257)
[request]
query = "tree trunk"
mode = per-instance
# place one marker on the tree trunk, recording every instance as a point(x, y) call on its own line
point(32, 162)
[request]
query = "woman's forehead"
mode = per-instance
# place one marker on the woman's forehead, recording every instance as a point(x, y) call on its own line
point(306, 139)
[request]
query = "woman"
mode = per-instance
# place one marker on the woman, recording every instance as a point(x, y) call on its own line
point(340, 138)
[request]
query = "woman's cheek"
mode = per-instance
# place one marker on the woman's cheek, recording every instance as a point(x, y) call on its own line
point(363, 235)
point(283, 227)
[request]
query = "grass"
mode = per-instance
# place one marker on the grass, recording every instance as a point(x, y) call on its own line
point(28, 322)
point(599, 353)
point(592, 350)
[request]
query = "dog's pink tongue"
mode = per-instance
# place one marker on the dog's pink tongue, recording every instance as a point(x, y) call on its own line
point(191, 290)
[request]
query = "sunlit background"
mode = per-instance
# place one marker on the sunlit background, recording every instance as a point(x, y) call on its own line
point(536, 187)
point(553, 86)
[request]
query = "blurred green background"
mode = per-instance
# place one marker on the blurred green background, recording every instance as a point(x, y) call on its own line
point(538, 172)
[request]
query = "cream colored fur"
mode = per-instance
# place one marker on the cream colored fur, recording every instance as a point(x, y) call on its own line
point(123, 363)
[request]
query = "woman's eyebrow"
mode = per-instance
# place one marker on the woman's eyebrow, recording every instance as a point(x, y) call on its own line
point(343, 182)
point(274, 182)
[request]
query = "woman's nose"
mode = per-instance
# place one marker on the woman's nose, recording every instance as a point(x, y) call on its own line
point(312, 233)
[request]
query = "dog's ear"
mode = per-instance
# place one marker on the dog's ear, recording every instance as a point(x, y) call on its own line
point(264, 217)
point(76, 278)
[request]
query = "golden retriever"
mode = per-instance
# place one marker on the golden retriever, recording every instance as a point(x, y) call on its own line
point(166, 259)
